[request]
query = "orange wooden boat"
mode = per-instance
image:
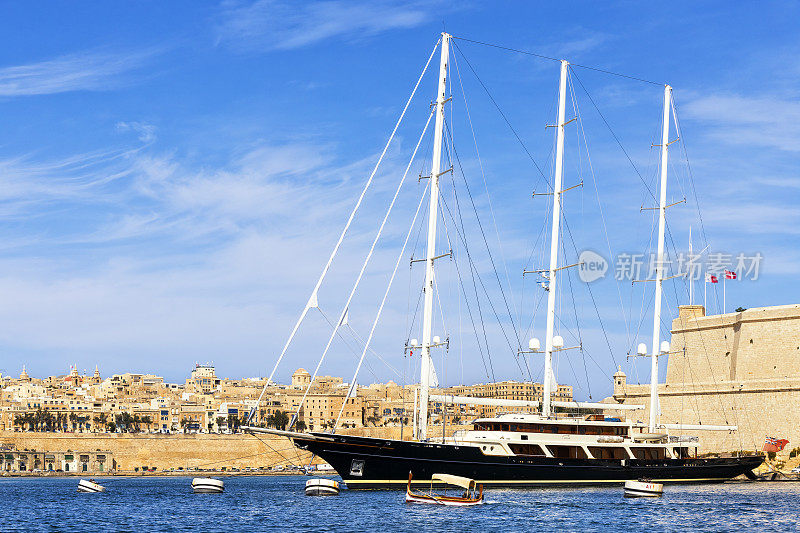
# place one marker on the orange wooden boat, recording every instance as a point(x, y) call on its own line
point(472, 493)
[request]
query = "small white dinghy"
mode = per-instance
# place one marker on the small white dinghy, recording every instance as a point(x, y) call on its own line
point(643, 488)
point(207, 485)
point(322, 487)
point(89, 485)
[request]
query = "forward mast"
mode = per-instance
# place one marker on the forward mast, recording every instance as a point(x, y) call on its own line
point(433, 213)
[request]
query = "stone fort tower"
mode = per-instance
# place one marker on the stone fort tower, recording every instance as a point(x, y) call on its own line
point(739, 369)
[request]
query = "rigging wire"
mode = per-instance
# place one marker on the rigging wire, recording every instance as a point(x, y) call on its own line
point(474, 269)
point(490, 368)
point(363, 267)
point(505, 118)
point(599, 203)
point(614, 135)
point(385, 295)
point(344, 231)
point(541, 56)
point(346, 342)
point(485, 240)
point(483, 178)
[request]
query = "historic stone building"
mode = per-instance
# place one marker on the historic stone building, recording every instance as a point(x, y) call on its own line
point(739, 369)
point(13, 460)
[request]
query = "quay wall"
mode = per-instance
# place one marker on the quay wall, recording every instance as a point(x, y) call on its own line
point(163, 451)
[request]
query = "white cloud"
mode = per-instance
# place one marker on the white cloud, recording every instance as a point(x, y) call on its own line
point(174, 258)
point(758, 121)
point(146, 132)
point(174, 261)
point(274, 24)
point(753, 218)
point(26, 183)
point(85, 71)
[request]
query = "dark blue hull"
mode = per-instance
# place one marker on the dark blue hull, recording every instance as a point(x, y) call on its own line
point(365, 462)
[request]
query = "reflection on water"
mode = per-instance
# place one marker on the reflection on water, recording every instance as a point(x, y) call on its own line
point(279, 503)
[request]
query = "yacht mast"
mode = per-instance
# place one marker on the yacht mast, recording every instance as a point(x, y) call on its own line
point(654, 408)
point(433, 214)
point(554, 246)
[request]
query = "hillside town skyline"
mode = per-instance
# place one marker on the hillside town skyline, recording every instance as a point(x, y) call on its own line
point(208, 403)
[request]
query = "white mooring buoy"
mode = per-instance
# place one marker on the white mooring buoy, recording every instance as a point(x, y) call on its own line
point(207, 485)
point(643, 488)
point(85, 485)
point(322, 487)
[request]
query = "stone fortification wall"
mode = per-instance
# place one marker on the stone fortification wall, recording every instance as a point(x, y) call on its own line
point(757, 344)
point(164, 451)
point(739, 369)
point(187, 451)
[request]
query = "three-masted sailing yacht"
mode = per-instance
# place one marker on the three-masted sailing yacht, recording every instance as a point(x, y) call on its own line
point(524, 449)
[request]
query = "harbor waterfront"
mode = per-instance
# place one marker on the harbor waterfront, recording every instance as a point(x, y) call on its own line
point(279, 503)
point(398, 266)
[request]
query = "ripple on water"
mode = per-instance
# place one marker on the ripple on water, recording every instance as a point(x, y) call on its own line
point(279, 504)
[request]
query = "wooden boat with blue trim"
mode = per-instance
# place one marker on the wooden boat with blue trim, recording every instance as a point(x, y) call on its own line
point(472, 493)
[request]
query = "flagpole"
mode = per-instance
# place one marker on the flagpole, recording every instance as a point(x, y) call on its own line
point(690, 274)
point(705, 290)
point(723, 291)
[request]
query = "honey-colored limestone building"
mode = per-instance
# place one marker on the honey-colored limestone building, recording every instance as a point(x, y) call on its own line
point(740, 369)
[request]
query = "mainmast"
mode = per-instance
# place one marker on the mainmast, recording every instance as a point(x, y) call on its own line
point(662, 206)
point(433, 214)
point(554, 246)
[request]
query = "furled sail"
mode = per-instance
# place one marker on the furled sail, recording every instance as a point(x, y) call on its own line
point(433, 380)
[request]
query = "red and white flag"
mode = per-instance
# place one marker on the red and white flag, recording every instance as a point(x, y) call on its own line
point(730, 274)
point(711, 278)
point(771, 444)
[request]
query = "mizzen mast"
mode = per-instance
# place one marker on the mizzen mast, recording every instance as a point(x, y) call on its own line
point(433, 214)
point(662, 206)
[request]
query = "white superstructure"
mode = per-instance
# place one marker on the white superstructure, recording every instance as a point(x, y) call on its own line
point(590, 437)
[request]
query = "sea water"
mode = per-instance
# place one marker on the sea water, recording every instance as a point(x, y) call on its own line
point(263, 503)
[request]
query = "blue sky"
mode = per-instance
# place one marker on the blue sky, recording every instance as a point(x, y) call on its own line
point(174, 175)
